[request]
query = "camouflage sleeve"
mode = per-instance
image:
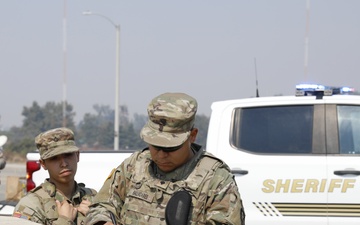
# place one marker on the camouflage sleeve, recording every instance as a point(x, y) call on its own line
point(61, 220)
point(224, 203)
point(108, 202)
point(89, 194)
point(29, 208)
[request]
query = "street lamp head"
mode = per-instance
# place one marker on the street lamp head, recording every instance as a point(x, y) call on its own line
point(86, 13)
point(89, 13)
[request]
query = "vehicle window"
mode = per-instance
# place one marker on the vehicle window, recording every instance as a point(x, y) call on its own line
point(349, 129)
point(281, 129)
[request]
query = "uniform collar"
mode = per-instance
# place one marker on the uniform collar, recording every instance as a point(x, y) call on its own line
point(50, 188)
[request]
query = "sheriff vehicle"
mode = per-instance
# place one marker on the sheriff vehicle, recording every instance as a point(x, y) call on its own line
point(296, 159)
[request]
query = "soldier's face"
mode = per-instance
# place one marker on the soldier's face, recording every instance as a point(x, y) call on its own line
point(169, 161)
point(62, 168)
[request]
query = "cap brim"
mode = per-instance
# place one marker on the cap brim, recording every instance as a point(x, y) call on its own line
point(60, 150)
point(163, 139)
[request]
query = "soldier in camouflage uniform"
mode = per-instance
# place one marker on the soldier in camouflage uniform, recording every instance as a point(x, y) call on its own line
point(2, 156)
point(2, 159)
point(139, 189)
point(59, 200)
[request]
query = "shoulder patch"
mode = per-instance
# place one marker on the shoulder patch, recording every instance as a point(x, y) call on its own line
point(111, 173)
point(21, 216)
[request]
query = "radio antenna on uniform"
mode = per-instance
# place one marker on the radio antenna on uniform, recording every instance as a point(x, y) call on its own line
point(257, 88)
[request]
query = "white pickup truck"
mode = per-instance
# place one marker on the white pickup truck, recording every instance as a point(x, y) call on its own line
point(296, 159)
point(93, 167)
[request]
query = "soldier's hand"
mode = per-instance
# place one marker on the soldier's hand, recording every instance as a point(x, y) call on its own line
point(67, 210)
point(83, 208)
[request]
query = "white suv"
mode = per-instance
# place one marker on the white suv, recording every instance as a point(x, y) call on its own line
point(296, 159)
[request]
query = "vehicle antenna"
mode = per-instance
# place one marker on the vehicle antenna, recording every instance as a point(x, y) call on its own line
point(257, 88)
point(306, 57)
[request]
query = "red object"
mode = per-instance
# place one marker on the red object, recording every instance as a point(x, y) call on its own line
point(31, 167)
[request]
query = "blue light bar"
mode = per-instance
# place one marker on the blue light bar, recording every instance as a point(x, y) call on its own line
point(317, 89)
point(310, 87)
point(347, 90)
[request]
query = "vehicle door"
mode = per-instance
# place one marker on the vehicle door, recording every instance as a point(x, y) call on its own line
point(343, 160)
point(277, 154)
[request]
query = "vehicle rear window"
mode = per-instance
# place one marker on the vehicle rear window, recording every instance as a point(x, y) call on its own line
point(349, 129)
point(281, 129)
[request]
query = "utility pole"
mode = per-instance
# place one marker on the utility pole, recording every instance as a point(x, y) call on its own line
point(117, 77)
point(64, 122)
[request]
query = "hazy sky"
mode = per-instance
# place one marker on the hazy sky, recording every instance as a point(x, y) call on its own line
point(205, 48)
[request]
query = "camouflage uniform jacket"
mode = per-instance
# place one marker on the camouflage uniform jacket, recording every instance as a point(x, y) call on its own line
point(39, 204)
point(134, 196)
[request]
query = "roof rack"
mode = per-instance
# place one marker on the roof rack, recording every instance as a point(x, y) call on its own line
point(321, 90)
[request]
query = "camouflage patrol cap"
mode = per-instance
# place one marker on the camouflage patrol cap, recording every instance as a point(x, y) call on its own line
point(55, 142)
point(171, 118)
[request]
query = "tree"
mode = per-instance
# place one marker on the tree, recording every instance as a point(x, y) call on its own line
point(130, 139)
point(96, 131)
point(138, 122)
point(38, 119)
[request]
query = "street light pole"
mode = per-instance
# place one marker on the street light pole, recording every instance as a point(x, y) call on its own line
point(117, 80)
point(117, 77)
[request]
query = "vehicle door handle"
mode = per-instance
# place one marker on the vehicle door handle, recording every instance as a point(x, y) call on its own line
point(347, 172)
point(239, 171)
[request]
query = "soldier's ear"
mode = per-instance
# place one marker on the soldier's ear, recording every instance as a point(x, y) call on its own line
point(193, 135)
point(42, 162)
point(78, 156)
